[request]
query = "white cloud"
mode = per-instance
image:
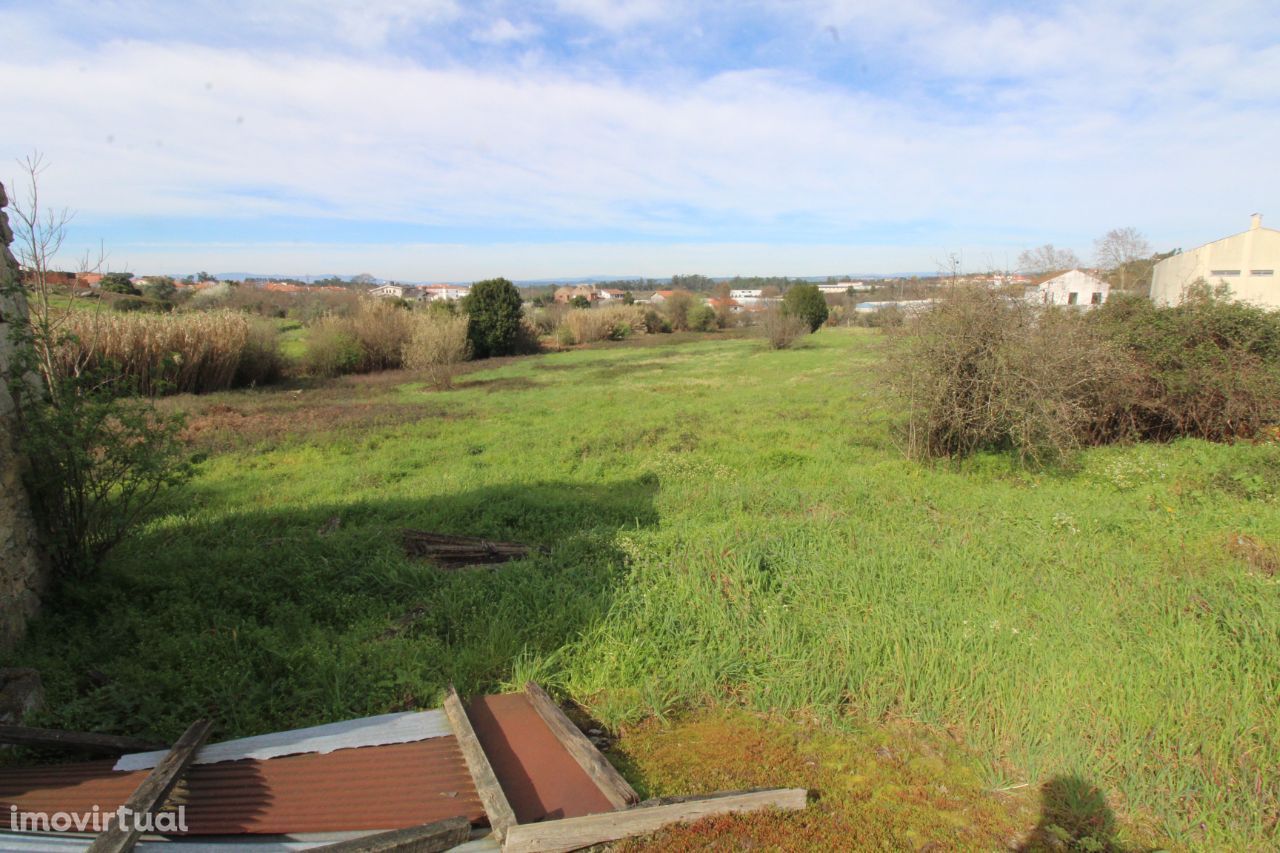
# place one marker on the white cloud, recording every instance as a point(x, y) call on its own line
point(1096, 129)
point(502, 31)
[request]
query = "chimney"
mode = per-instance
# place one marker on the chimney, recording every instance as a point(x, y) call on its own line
point(1255, 221)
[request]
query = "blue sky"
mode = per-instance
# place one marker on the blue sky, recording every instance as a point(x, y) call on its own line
point(436, 139)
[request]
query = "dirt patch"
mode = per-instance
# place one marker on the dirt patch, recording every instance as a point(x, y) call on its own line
point(1254, 553)
point(504, 383)
point(221, 427)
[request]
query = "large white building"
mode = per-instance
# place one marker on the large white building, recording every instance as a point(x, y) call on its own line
point(1071, 288)
point(1247, 263)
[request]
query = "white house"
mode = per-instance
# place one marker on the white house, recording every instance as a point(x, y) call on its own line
point(1247, 263)
point(440, 292)
point(389, 291)
point(746, 296)
point(1071, 288)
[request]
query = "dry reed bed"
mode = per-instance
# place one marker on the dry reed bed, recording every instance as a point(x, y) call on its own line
point(172, 353)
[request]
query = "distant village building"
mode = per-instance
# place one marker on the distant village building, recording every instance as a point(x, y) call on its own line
point(730, 306)
point(1071, 288)
point(443, 292)
point(1247, 263)
point(660, 296)
point(839, 287)
point(568, 293)
point(389, 291)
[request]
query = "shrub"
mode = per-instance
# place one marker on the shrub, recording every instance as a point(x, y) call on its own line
point(565, 336)
point(494, 309)
point(332, 349)
point(382, 329)
point(261, 361)
point(119, 282)
point(164, 353)
point(655, 322)
point(613, 323)
point(676, 307)
point(1209, 367)
point(808, 303)
point(981, 372)
point(99, 463)
point(782, 330)
point(437, 346)
point(702, 318)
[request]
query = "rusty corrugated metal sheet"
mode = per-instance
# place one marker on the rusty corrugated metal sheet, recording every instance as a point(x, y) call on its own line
point(377, 787)
point(541, 780)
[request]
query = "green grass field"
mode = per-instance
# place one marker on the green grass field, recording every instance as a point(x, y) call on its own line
point(726, 526)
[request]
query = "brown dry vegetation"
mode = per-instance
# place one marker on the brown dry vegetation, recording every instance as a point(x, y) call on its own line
point(900, 787)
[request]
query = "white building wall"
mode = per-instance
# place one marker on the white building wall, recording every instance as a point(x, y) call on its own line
point(1087, 290)
point(1248, 263)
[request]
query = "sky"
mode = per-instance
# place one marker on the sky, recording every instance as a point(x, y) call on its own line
point(430, 140)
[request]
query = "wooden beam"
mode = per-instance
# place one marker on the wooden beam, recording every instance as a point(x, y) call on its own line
point(151, 794)
point(501, 817)
point(427, 838)
point(28, 736)
point(573, 833)
point(607, 779)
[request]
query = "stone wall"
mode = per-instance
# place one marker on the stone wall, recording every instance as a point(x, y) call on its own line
point(23, 574)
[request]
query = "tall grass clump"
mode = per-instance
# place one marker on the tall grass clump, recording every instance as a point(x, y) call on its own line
point(171, 353)
point(611, 323)
point(438, 344)
point(372, 337)
point(982, 372)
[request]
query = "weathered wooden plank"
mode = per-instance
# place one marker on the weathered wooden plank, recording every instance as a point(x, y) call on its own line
point(574, 833)
point(607, 779)
point(91, 741)
point(501, 817)
point(151, 794)
point(427, 838)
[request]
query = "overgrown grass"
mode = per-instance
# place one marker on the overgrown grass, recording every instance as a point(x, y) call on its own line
point(727, 525)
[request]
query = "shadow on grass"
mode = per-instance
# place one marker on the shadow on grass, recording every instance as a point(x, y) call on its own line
point(272, 619)
point(1074, 815)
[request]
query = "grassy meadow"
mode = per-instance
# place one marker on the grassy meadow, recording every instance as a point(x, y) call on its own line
point(728, 528)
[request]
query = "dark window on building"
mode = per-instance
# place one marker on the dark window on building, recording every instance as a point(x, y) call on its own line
point(1073, 298)
point(1224, 272)
point(1095, 299)
point(1262, 272)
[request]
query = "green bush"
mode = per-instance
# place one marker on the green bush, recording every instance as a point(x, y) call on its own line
point(332, 350)
point(808, 303)
point(702, 318)
point(1208, 368)
point(137, 303)
point(493, 307)
point(99, 463)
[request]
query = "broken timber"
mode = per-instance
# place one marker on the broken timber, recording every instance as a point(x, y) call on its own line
point(456, 552)
point(151, 794)
point(573, 833)
point(607, 779)
point(427, 838)
point(92, 741)
point(501, 817)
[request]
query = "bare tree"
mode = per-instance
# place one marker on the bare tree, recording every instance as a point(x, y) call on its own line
point(39, 235)
point(1119, 248)
point(1046, 258)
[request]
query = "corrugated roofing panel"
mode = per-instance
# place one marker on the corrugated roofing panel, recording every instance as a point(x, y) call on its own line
point(542, 781)
point(369, 731)
point(374, 788)
point(15, 842)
